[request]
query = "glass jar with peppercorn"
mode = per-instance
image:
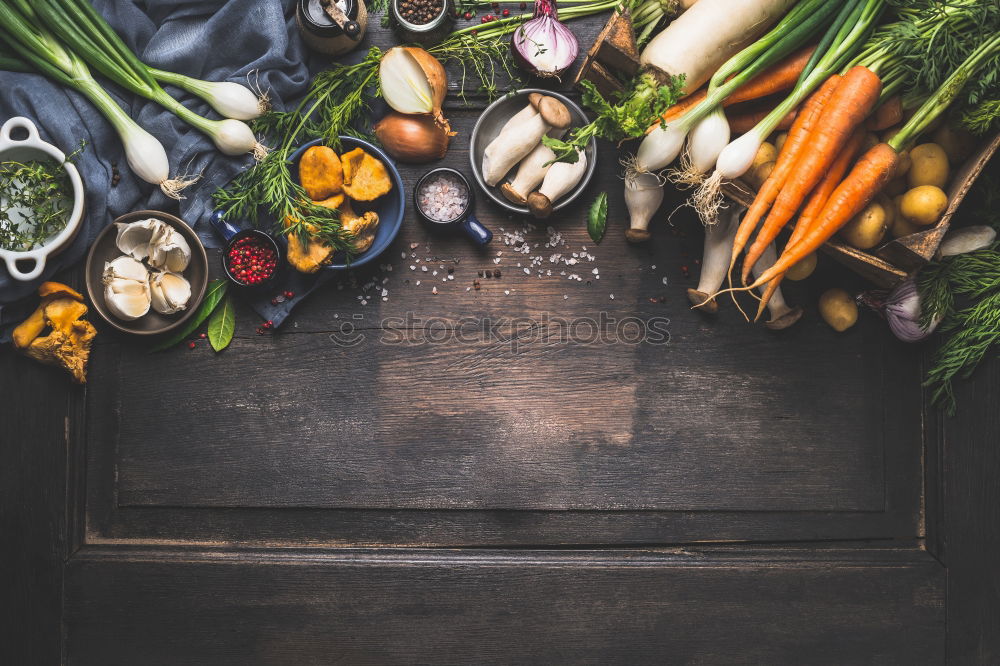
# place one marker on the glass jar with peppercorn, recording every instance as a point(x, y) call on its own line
point(422, 21)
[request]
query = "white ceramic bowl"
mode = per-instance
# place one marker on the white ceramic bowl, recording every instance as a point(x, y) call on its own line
point(33, 148)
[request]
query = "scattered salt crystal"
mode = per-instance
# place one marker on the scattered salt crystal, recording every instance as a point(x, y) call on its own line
point(451, 277)
point(403, 255)
point(506, 292)
point(565, 297)
point(612, 296)
point(434, 273)
point(423, 268)
point(665, 281)
point(418, 283)
point(527, 271)
point(412, 267)
point(434, 290)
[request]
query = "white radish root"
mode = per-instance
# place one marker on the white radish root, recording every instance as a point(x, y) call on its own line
point(706, 35)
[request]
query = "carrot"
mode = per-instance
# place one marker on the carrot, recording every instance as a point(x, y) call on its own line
point(815, 205)
point(779, 76)
point(741, 123)
point(887, 115)
point(872, 172)
point(850, 103)
point(776, 78)
point(794, 144)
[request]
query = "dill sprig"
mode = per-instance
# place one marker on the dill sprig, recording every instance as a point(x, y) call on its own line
point(963, 291)
point(484, 62)
point(34, 203)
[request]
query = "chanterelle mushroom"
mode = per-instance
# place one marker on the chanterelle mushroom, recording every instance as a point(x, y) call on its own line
point(362, 226)
point(69, 336)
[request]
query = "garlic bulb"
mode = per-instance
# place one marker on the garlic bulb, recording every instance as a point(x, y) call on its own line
point(126, 288)
point(170, 292)
point(157, 242)
point(170, 251)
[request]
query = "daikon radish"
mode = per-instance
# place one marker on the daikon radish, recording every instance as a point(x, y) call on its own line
point(531, 171)
point(707, 35)
point(559, 180)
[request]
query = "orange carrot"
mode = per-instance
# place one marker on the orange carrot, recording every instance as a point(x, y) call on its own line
point(887, 115)
point(872, 172)
point(777, 77)
point(849, 105)
point(741, 123)
point(794, 144)
point(815, 205)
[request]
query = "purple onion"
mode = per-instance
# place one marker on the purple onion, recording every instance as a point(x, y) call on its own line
point(901, 309)
point(544, 46)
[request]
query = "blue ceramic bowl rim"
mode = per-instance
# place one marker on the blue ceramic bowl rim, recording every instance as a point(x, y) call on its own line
point(393, 225)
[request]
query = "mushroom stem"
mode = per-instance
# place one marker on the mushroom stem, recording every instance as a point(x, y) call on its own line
point(715, 257)
point(782, 316)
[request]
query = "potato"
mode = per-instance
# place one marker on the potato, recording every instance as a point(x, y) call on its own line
point(888, 208)
point(867, 228)
point(930, 166)
point(779, 141)
point(957, 143)
point(803, 269)
point(759, 174)
point(904, 164)
point(321, 173)
point(923, 205)
point(766, 153)
point(838, 309)
point(900, 225)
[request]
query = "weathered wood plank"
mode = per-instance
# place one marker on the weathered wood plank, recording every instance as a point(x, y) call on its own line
point(610, 607)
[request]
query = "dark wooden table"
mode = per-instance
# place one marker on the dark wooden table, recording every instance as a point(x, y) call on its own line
point(443, 478)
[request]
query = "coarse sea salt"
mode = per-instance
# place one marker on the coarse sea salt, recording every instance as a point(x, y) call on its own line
point(443, 197)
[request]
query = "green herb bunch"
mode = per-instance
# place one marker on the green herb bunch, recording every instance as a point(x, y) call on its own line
point(963, 292)
point(34, 203)
point(628, 116)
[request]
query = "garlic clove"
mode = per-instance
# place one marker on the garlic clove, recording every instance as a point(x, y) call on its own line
point(170, 292)
point(127, 299)
point(125, 268)
point(135, 238)
point(170, 251)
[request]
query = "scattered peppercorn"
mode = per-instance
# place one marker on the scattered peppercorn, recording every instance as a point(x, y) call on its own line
point(489, 274)
point(202, 336)
point(468, 15)
point(496, 273)
point(451, 270)
point(476, 285)
point(523, 5)
point(485, 19)
point(289, 294)
point(191, 345)
point(506, 12)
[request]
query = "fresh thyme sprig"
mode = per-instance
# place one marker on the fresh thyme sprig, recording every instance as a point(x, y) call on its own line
point(34, 203)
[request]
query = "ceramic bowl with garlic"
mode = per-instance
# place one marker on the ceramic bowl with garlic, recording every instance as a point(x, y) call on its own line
point(146, 272)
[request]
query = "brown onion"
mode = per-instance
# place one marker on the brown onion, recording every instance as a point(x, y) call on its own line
point(412, 138)
point(404, 91)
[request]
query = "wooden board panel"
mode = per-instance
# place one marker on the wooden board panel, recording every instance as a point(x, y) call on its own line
point(608, 607)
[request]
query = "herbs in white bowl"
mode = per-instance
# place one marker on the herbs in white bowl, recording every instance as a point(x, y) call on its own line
point(35, 203)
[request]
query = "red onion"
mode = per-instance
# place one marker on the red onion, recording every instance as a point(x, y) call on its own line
point(901, 309)
point(543, 46)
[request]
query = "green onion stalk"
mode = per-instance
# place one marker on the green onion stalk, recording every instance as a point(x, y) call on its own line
point(104, 51)
point(32, 49)
point(846, 35)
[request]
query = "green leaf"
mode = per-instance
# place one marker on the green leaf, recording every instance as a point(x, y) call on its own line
point(222, 325)
point(565, 151)
point(597, 217)
point(213, 295)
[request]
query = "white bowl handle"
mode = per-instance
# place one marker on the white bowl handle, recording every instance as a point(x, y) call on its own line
point(15, 123)
point(17, 274)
